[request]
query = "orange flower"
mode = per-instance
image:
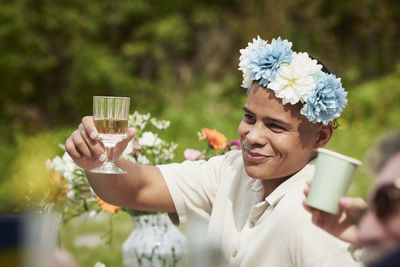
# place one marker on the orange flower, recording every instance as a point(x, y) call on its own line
point(107, 207)
point(58, 187)
point(216, 139)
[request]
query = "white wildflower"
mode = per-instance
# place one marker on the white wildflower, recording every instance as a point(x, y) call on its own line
point(71, 194)
point(58, 164)
point(92, 213)
point(149, 139)
point(160, 124)
point(69, 166)
point(99, 264)
point(64, 166)
point(142, 159)
point(138, 121)
point(49, 165)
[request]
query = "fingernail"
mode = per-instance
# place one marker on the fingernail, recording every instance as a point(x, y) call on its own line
point(345, 201)
point(93, 135)
point(102, 157)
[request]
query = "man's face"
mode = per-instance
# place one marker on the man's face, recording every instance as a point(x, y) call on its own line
point(277, 141)
point(377, 235)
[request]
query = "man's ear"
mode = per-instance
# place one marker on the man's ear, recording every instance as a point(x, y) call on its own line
point(324, 134)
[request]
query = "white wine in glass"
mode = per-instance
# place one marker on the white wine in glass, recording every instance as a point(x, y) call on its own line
point(110, 115)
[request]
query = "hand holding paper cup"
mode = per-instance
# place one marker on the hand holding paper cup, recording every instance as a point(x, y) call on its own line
point(332, 178)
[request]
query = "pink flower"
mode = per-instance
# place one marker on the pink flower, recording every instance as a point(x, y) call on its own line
point(135, 148)
point(192, 154)
point(135, 144)
point(234, 143)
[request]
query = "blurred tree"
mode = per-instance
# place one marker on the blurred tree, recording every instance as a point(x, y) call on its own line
point(54, 55)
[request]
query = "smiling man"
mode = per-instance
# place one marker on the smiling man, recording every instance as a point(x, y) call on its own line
point(251, 199)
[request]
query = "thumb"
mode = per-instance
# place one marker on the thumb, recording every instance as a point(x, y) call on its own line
point(120, 147)
point(352, 203)
point(354, 207)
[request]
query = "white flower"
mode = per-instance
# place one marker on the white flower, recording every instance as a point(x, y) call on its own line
point(92, 213)
point(246, 52)
point(162, 124)
point(69, 167)
point(49, 165)
point(295, 81)
point(139, 121)
point(58, 164)
point(71, 194)
point(142, 159)
point(247, 79)
point(149, 139)
point(64, 166)
point(244, 60)
point(99, 264)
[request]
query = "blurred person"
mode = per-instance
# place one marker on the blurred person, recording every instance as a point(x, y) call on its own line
point(250, 198)
point(376, 226)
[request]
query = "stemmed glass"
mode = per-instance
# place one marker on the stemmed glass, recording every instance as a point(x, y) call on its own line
point(111, 120)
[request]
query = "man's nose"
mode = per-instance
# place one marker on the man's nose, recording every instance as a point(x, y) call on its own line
point(257, 134)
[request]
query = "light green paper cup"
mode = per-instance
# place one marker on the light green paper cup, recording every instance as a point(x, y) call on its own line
point(332, 178)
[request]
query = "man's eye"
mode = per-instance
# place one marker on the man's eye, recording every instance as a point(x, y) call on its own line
point(248, 118)
point(276, 127)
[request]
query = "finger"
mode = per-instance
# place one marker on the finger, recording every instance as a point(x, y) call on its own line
point(353, 204)
point(95, 146)
point(309, 208)
point(71, 150)
point(85, 135)
point(130, 134)
point(306, 190)
point(316, 217)
point(81, 145)
point(90, 128)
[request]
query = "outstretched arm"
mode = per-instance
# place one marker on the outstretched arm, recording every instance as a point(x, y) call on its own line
point(142, 188)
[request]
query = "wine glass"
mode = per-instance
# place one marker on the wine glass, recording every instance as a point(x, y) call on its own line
point(111, 120)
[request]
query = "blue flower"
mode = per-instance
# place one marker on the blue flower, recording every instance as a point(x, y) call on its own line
point(327, 100)
point(265, 61)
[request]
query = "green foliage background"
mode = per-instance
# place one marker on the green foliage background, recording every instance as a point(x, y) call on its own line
point(178, 60)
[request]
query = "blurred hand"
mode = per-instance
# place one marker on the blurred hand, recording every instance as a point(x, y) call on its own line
point(343, 225)
point(86, 150)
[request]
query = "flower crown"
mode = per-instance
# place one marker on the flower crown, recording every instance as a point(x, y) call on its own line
point(294, 77)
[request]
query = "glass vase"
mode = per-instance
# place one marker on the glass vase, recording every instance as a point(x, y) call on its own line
point(155, 242)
